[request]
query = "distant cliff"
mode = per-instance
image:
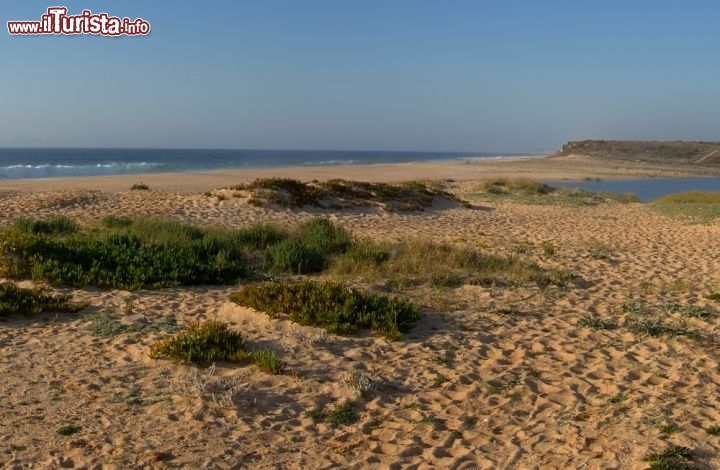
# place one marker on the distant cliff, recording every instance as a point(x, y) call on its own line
point(701, 153)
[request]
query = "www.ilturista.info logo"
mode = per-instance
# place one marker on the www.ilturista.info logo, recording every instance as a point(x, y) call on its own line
point(57, 21)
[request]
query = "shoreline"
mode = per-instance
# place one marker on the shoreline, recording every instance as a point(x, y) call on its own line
point(546, 169)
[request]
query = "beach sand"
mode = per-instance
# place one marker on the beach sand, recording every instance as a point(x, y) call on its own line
point(500, 377)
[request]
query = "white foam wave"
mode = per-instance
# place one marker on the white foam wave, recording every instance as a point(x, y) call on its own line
point(47, 170)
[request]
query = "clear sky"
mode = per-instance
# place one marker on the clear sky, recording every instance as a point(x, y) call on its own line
point(506, 76)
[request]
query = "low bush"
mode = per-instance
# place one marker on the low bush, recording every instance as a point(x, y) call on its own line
point(533, 192)
point(339, 193)
point(310, 249)
point(15, 299)
point(210, 341)
point(414, 263)
point(202, 342)
point(126, 253)
point(52, 226)
point(291, 256)
point(332, 305)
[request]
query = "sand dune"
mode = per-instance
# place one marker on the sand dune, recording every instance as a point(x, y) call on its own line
point(501, 378)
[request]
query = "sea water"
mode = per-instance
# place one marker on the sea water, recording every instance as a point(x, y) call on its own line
point(53, 163)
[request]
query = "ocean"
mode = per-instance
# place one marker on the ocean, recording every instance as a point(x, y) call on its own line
point(55, 163)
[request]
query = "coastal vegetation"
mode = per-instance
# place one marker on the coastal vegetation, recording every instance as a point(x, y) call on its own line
point(17, 300)
point(340, 193)
point(334, 306)
point(528, 191)
point(696, 206)
point(127, 253)
point(210, 341)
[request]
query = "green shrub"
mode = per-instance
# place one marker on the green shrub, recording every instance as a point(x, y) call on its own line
point(53, 226)
point(291, 256)
point(123, 253)
point(213, 341)
point(202, 342)
point(261, 235)
point(140, 187)
point(368, 252)
point(323, 236)
point(127, 253)
point(116, 221)
point(14, 299)
point(335, 306)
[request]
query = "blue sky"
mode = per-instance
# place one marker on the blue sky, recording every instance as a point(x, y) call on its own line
point(506, 76)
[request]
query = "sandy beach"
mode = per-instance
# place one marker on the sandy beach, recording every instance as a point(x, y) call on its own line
point(491, 377)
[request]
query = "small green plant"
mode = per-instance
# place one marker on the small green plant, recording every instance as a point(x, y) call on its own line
point(334, 306)
point(672, 458)
point(505, 310)
point(715, 296)
point(316, 414)
point(619, 398)
point(555, 277)
point(656, 327)
point(211, 341)
point(439, 379)
point(596, 323)
point(140, 187)
point(202, 342)
point(668, 429)
point(129, 305)
point(69, 430)
point(267, 361)
point(697, 311)
point(548, 248)
point(360, 382)
point(342, 415)
point(633, 307)
point(600, 250)
point(713, 430)
point(521, 249)
point(104, 325)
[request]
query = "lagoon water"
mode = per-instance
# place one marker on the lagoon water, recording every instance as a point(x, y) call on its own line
point(646, 189)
